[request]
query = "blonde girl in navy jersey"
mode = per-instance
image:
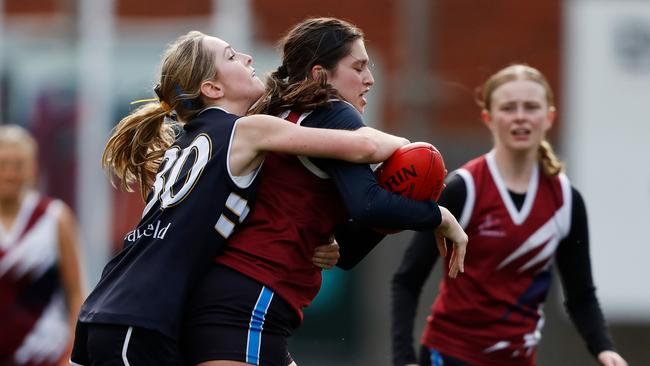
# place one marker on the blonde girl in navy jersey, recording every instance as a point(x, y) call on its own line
point(523, 218)
point(198, 177)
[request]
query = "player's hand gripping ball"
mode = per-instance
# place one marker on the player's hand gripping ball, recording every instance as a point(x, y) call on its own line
point(416, 171)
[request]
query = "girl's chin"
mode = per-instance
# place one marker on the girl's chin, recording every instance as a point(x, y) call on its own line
point(522, 148)
point(360, 107)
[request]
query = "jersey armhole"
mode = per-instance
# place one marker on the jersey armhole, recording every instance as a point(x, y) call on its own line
point(305, 161)
point(470, 198)
point(241, 181)
point(567, 207)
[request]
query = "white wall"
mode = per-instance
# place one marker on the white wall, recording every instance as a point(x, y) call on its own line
point(606, 138)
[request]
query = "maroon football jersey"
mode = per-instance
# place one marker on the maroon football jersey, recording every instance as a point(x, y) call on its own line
point(296, 210)
point(494, 310)
point(34, 327)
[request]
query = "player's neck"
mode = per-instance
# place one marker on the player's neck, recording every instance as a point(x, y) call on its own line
point(238, 108)
point(515, 169)
point(9, 208)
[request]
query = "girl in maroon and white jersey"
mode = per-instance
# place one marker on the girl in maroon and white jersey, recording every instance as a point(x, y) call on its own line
point(40, 286)
point(522, 217)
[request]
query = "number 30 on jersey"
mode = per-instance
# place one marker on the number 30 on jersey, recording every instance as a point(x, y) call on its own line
point(167, 189)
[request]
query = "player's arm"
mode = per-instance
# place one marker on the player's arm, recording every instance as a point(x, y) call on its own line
point(574, 265)
point(257, 134)
point(357, 241)
point(406, 287)
point(369, 204)
point(417, 264)
point(69, 263)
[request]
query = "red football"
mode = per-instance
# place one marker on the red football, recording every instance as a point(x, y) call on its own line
point(416, 171)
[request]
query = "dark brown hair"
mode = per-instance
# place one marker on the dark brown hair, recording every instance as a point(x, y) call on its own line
point(314, 41)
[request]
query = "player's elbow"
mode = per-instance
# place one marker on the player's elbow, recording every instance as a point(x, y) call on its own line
point(362, 214)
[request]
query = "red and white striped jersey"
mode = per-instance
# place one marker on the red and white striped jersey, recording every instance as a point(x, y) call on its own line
point(33, 309)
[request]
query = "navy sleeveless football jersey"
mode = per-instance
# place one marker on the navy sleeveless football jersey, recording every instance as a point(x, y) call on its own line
point(193, 208)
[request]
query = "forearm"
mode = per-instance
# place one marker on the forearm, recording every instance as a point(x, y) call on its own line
point(590, 323)
point(386, 143)
point(402, 323)
point(574, 265)
point(384, 209)
point(257, 134)
point(407, 283)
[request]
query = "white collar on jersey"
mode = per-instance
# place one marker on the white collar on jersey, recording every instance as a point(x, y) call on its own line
point(213, 107)
point(518, 217)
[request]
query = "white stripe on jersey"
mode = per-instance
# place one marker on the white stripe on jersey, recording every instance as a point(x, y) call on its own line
point(37, 251)
point(224, 226)
point(547, 233)
point(236, 204)
point(497, 346)
point(49, 337)
point(125, 347)
point(8, 237)
point(468, 207)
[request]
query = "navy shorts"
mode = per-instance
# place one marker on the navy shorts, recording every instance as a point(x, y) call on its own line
point(119, 345)
point(232, 317)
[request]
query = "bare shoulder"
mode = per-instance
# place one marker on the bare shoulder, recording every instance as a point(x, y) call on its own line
point(66, 217)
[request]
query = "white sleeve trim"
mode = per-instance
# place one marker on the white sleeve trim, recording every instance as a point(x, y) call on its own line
point(470, 199)
point(303, 159)
point(567, 207)
point(241, 181)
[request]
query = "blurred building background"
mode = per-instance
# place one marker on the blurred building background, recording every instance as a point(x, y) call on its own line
point(69, 68)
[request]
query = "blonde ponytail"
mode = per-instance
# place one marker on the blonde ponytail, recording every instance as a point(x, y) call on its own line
point(550, 163)
point(138, 143)
point(136, 147)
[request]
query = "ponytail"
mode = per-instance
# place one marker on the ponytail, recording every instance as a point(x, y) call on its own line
point(136, 147)
point(550, 163)
point(138, 143)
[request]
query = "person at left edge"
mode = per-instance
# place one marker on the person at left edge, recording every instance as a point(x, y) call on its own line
point(199, 188)
point(40, 282)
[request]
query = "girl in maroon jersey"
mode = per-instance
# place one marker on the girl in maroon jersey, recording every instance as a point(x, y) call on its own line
point(522, 216)
point(301, 202)
point(40, 286)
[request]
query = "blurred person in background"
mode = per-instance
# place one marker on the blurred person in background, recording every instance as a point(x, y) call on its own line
point(198, 177)
point(40, 286)
point(522, 215)
point(251, 301)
